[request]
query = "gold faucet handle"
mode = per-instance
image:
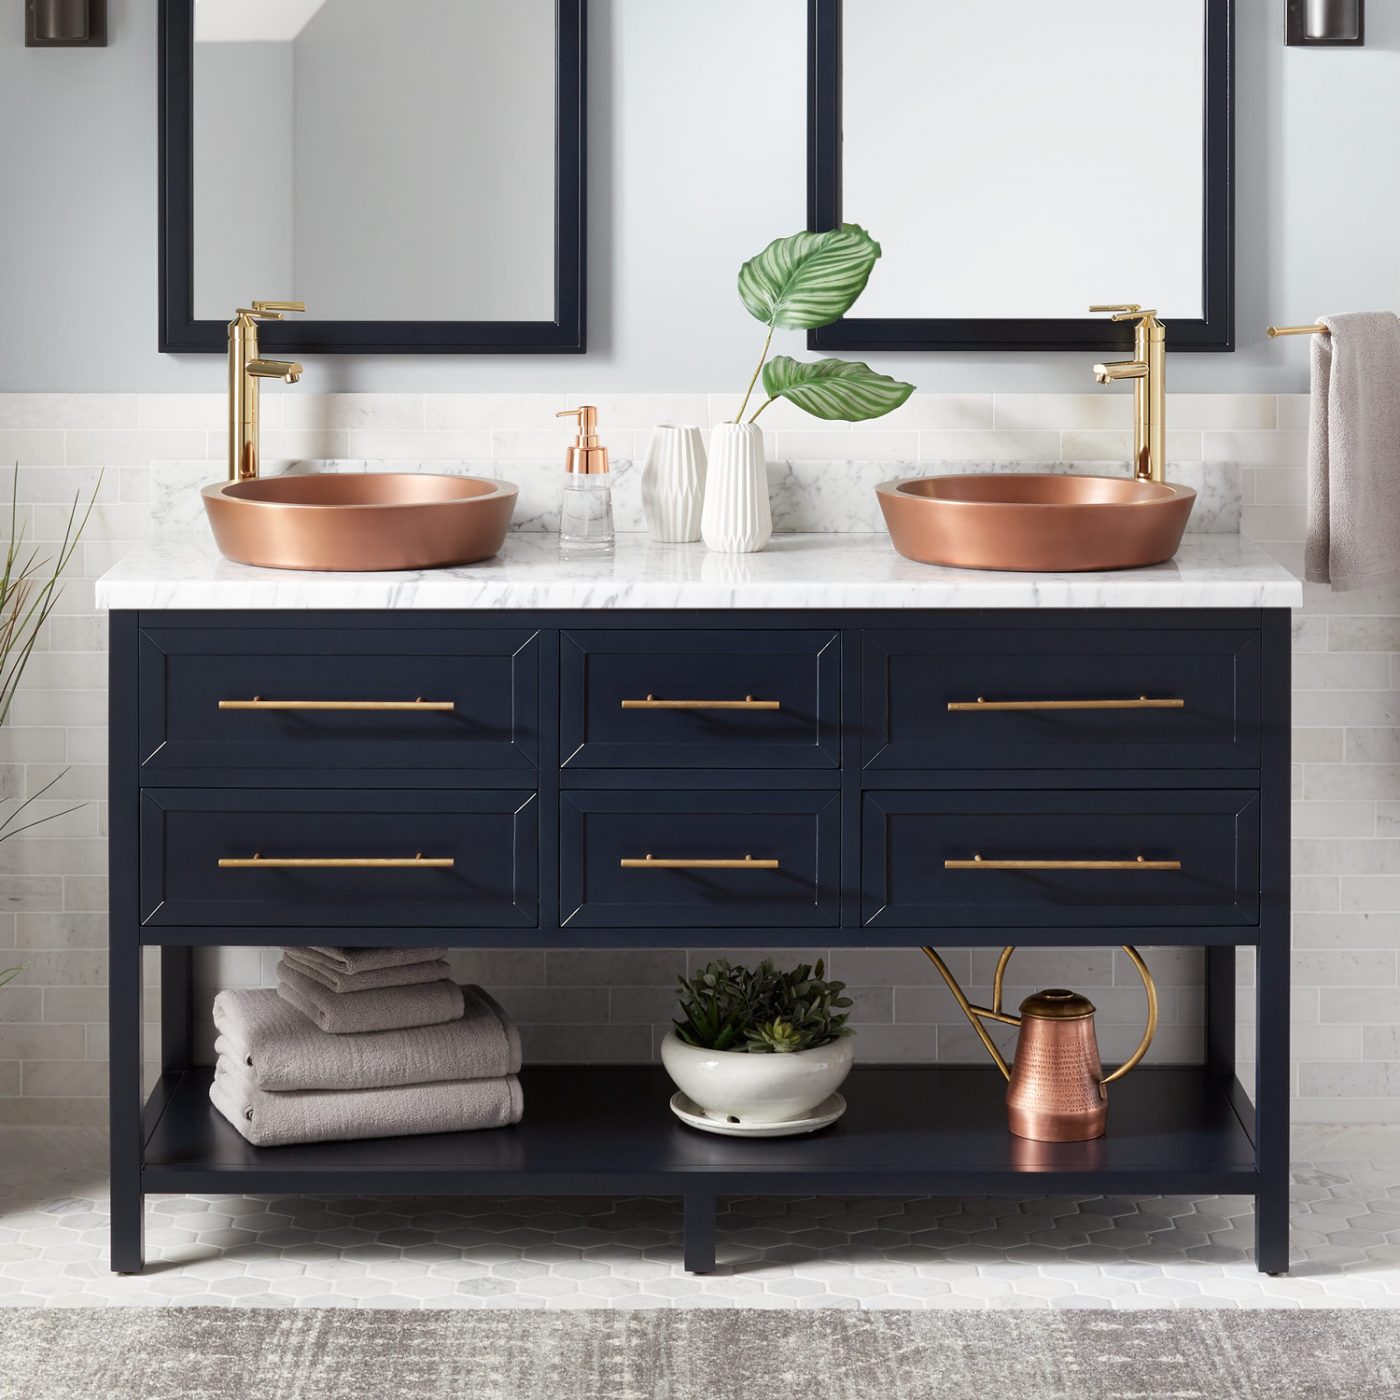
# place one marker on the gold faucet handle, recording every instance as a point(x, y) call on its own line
point(1127, 311)
point(271, 310)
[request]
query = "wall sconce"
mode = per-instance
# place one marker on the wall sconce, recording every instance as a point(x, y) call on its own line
point(65, 24)
point(1326, 23)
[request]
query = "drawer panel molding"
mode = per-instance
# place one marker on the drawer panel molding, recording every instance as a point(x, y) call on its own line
point(266, 859)
point(1055, 697)
point(747, 698)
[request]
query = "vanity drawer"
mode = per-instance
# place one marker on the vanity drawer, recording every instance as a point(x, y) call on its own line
point(718, 859)
point(1058, 697)
point(908, 837)
point(489, 839)
point(700, 699)
point(414, 697)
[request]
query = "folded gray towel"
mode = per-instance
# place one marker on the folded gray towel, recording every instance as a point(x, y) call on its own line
point(366, 959)
point(282, 1050)
point(384, 1009)
point(1353, 536)
point(328, 973)
point(319, 1115)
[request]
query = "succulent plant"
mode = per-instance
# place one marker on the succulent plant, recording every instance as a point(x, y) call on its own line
point(761, 1010)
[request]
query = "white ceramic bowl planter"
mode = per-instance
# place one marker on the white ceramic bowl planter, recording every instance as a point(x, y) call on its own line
point(734, 1086)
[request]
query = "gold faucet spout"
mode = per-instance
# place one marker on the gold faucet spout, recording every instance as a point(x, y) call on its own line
point(288, 371)
point(1120, 369)
point(246, 370)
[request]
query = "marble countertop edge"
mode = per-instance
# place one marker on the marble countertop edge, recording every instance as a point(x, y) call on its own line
point(797, 572)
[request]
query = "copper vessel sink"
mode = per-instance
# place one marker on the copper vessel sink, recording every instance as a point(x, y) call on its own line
point(1035, 522)
point(360, 522)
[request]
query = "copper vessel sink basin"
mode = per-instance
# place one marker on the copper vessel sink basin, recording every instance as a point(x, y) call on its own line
point(1035, 522)
point(360, 522)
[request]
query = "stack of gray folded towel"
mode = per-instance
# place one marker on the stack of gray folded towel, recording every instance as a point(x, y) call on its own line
point(362, 1043)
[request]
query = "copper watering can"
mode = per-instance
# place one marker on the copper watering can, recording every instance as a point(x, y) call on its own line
point(1055, 1084)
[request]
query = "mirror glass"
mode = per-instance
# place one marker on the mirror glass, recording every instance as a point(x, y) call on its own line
point(379, 161)
point(1018, 159)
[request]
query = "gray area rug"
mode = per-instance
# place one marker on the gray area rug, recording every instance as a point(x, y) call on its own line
point(350, 1354)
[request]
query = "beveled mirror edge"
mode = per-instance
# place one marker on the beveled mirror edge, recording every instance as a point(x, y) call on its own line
point(1213, 332)
point(180, 332)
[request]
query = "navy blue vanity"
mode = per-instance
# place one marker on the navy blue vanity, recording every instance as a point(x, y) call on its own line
point(538, 752)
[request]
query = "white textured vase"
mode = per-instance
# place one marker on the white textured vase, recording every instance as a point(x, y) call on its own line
point(673, 483)
point(736, 518)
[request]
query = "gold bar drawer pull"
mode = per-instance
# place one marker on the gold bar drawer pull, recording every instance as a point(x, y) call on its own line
point(1143, 702)
point(258, 703)
point(1138, 863)
point(257, 861)
point(747, 703)
point(651, 862)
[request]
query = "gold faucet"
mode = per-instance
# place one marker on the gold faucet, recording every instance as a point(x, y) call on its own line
point(245, 368)
point(1148, 371)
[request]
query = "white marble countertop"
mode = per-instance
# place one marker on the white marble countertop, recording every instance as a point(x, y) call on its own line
point(795, 571)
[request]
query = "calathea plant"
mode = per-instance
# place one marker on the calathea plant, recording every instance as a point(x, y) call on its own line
point(761, 1010)
point(799, 283)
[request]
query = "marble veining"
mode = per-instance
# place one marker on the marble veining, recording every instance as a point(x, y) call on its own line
point(807, 497)
point(796, 571)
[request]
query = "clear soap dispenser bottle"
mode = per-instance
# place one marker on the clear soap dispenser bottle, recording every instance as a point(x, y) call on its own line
point(586, 520)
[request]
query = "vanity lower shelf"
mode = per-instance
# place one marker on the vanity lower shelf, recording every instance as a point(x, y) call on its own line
point(608, 1130)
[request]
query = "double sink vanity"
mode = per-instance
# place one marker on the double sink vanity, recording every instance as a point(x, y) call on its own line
point(515, 738)
point(828, 744)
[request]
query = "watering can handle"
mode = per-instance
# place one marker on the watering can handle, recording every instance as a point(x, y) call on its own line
point(976, 1015)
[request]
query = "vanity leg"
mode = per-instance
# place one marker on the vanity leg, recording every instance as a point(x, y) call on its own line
point(1220, 1008)
point(698, 1227)
point(127, 1135)
point(176, 1008)
point(1271, 1094)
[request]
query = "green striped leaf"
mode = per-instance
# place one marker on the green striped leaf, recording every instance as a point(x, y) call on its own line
point(842, 389)
point(810, 279)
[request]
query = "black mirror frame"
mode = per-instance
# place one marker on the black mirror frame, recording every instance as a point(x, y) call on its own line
point(179, 331)
point(1213, 332)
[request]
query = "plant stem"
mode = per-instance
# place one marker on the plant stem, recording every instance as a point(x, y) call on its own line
point(760, 408)
point(739, 418)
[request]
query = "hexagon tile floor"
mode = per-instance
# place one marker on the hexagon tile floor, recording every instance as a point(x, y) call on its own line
point(1028, 1252)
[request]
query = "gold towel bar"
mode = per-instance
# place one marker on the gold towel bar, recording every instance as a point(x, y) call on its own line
point(651, 862)
point(257, 861)
point(1143, 702)
point(1275, 331)
point(1140, 863)
point(258, 703)
point(747, 703)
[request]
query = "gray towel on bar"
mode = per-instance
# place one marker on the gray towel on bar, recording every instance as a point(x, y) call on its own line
point(1353, 536)
point(320, 1115)
point(282, 1050)
point(367, 959)
point(328, 974)
point(384, 1009)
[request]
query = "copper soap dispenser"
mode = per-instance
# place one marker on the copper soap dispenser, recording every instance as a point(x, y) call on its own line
point(1056, 1087)
point(586, 515)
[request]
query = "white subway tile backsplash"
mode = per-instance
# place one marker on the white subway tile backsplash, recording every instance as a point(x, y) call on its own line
point(992, 445)
point(615, 1006)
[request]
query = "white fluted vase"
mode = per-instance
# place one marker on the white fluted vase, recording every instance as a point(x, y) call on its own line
point(673, 483)
point(736, 518)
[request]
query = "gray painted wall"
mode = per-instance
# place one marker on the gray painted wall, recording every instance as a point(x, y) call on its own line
point(697, 160)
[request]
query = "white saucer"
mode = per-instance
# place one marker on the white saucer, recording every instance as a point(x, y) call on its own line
point(690, 1112)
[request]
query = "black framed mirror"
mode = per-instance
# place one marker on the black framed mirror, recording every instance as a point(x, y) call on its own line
point(413, 171)
point(1019, 161)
